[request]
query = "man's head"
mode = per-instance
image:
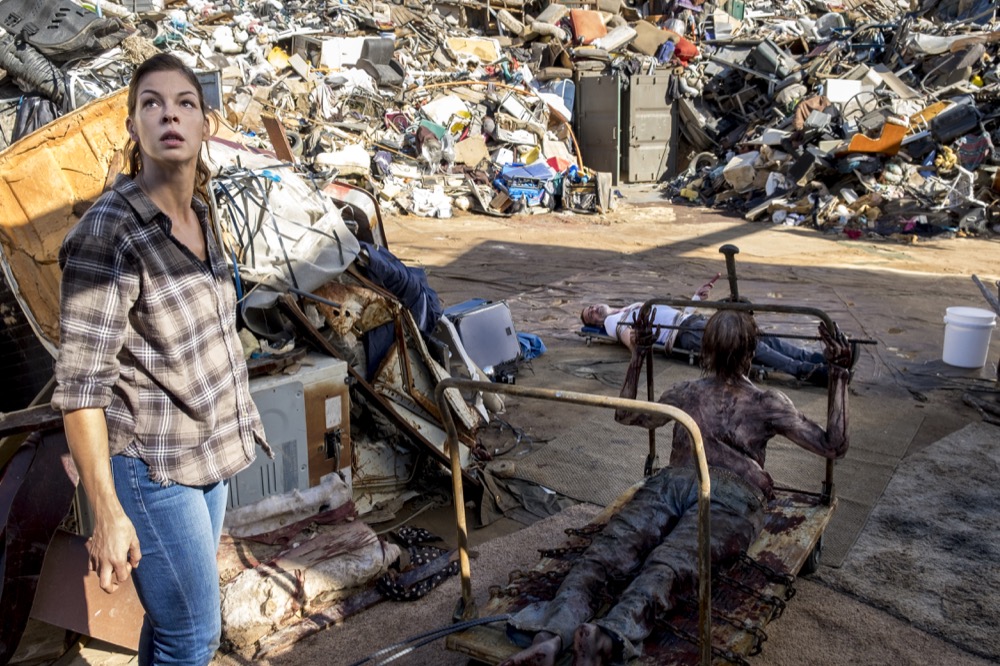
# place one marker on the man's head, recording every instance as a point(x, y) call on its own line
point(729, 343)
point(594, 315)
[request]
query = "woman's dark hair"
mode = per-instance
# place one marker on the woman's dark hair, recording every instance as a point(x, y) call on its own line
point(729, 343)
point(164, 62)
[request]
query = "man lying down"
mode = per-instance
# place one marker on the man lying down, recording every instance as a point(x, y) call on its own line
point(683, 329)
point(653, 538)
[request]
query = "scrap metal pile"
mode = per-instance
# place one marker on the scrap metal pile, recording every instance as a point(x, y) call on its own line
point(861, 116)
point(867, 117)
point(408, 100)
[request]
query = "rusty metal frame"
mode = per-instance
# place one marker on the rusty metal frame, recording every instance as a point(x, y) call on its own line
point(645, 311)
point(290, 306)
point(467, 609)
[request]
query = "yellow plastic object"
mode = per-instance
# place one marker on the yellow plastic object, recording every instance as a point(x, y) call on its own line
point(279, 58)
point(919, 120)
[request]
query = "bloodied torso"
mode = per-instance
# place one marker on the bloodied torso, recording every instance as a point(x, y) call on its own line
point(736, 425)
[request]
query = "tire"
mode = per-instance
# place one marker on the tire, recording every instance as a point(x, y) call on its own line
point(811, 565)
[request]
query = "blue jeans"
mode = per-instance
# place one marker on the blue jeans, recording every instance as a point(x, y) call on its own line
point(772, 353)
point(177, 578)
point(656, 534)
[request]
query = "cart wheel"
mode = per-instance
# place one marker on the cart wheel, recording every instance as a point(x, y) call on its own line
point(811, 565)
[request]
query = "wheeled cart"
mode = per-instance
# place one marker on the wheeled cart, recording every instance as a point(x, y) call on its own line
point(725, 619)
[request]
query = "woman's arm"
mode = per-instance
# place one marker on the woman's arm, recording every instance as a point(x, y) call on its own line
point(114, 546)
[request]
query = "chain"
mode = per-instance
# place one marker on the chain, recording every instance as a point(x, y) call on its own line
point(588, 531)
point(768, 599)
point(727, 655)
point(744, 625)
point(561, 553)
point(786, 579)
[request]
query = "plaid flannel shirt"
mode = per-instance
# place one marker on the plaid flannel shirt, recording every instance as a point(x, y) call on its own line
point(148, 333)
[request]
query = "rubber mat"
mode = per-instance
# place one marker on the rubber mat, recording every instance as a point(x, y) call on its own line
point(928, 554)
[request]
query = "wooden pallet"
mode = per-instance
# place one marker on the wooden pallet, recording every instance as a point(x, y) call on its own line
point(744, 598)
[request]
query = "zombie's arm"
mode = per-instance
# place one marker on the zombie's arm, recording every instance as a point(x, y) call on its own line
point(642, 347)
point(788, 421)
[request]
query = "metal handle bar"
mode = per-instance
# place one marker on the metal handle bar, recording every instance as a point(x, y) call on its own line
point(467, 607)
point(745, 307)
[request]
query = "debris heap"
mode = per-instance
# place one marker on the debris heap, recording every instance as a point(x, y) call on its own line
point(859, 116)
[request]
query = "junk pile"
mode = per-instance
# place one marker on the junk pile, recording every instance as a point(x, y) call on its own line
point(860, 116)
point(856, 118)
point(410, 101)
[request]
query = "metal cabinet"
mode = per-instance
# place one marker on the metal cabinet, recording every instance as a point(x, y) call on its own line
point(629, 131)
point(652, 133)
point(598, 114)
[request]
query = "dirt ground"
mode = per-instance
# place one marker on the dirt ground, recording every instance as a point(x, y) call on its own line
point(548, 266)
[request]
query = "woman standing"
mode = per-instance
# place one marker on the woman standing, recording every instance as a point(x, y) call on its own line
point(151, 376)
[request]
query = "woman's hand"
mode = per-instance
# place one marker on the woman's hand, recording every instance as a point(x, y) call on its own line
point(114, 549)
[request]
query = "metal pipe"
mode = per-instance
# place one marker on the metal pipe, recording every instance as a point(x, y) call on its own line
point(784, 336)
point(610, 402)
point(746, 307)
point(731, 251)
point(647, 469)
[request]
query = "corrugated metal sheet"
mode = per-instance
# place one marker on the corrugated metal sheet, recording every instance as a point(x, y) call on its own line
point(44, 179)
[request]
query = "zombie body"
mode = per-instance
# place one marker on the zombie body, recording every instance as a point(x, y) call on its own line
point(656, 531)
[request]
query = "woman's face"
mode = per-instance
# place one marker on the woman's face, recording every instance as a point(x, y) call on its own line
point(167, 122)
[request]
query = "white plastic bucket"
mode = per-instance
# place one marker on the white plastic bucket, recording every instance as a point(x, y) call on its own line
point(967, 334)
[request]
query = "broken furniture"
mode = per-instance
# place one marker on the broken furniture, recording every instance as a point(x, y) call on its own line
point(888, 143)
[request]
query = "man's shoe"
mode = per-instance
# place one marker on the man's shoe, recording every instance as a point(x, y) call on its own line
point(818, 375)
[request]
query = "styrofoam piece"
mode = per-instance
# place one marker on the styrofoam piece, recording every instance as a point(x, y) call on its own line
point(773, 137)
point(616, 39)
point(553, 13)
point(503, 156)
point(740, 171)
point(485, 49)
point(841, 91)
point(443, 109)
point(340, 52)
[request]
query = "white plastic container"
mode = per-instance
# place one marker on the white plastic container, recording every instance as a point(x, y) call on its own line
point(967, 333)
